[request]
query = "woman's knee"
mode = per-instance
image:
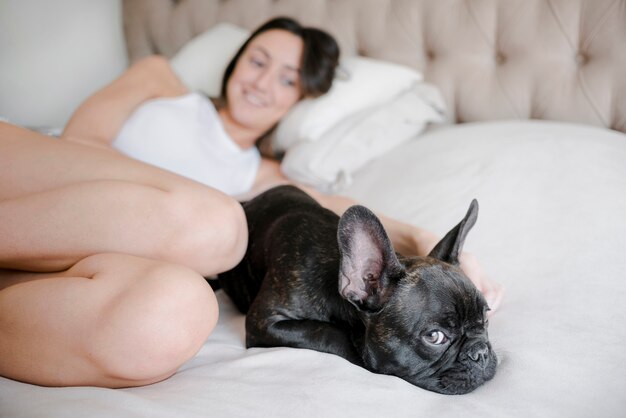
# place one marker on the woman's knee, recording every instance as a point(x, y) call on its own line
point(209, 234)
point(153, 325)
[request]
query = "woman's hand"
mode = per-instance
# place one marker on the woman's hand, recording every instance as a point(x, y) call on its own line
point(492, 291)
point(425, 241)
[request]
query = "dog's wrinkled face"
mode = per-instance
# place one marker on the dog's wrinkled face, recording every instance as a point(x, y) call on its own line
point(425, 321)
point(441, 342)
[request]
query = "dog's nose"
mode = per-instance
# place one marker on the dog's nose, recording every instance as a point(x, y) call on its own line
point(479, 352)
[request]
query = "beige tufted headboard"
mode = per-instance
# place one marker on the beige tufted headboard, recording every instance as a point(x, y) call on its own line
point(492, 59)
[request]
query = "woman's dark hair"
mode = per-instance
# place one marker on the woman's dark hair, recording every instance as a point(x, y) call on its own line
point(320, 56)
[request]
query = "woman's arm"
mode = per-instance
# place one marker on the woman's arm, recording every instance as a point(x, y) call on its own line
point(100, 117)
point(407, 239)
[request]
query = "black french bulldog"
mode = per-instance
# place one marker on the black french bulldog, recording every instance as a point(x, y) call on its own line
point(310, 279)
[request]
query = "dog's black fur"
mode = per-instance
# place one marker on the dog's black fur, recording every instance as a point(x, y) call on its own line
point(312, 280)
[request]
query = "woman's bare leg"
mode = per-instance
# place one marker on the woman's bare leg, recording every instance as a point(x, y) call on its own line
point(111, 320)
point(61, 202)
point(112, 253)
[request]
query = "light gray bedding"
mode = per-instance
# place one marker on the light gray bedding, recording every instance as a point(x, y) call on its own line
point(551, 229)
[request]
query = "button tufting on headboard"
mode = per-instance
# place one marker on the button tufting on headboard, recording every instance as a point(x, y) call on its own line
point(582, 58)
point(492, 59)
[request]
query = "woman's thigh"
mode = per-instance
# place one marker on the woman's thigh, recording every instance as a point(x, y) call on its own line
point(61, 202)
point(111, 320)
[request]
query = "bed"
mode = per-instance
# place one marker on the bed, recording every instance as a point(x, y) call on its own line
point(526, 112)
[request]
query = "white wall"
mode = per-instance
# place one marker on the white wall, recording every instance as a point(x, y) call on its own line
point(54, 54)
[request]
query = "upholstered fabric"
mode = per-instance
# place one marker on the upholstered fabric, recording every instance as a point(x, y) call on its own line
point(492, 59)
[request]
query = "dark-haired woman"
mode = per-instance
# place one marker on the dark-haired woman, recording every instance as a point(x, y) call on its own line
point(104, 244)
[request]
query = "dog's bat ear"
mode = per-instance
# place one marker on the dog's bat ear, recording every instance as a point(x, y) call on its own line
point(450, 247)
point(368, 261)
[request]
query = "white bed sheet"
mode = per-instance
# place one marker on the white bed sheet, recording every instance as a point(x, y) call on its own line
point(551, 229)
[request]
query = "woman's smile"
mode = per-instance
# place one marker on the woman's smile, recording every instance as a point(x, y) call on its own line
point(255, 99)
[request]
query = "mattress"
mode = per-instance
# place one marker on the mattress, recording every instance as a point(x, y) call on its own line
point(551, 230)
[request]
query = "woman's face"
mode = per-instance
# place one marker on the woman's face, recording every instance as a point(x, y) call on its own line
point(265, 83)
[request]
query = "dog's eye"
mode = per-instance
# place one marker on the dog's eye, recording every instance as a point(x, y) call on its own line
point(436, 338)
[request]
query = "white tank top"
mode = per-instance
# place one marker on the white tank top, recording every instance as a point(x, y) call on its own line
point(185, 135)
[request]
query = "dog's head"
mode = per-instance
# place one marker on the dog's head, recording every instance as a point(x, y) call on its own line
point(425, 321)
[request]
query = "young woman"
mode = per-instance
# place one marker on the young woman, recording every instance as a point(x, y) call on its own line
point(104, 247)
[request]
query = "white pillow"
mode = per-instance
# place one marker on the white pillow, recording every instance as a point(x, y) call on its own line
point(329, 162)
point(361, 83)
point(201, 63)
